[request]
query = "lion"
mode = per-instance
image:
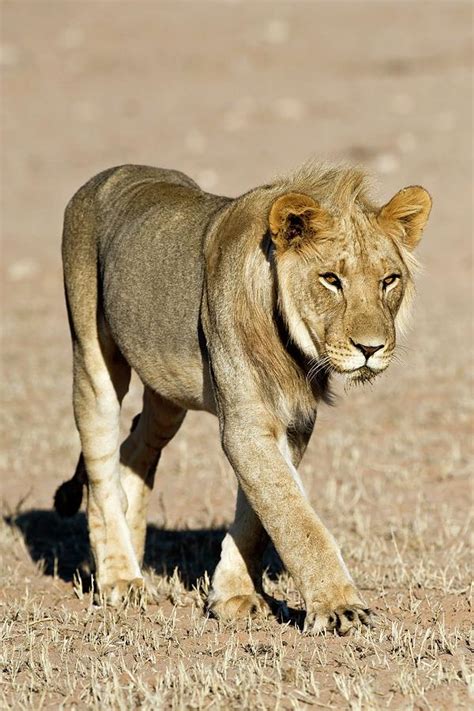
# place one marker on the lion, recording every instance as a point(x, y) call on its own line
point(243, 308)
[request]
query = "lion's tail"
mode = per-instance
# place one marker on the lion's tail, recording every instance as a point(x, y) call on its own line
point(68, 497)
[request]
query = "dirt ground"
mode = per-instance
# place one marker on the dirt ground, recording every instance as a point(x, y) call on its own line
point(232, 94)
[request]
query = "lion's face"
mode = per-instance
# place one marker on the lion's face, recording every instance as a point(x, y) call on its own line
point(344, 280)
point(352, 294)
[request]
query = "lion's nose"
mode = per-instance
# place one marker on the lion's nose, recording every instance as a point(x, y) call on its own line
point(367, 350)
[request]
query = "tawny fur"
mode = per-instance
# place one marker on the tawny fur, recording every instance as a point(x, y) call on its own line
point(242, 307)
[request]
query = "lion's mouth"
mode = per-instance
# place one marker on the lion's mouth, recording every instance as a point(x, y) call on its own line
point(363, 371)
point(359, 375)
point(362, 375)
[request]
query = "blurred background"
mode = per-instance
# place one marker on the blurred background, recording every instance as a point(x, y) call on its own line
point(233, 93)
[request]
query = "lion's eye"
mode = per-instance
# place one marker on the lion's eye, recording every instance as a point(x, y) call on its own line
point(332, 279)
point(388, 281)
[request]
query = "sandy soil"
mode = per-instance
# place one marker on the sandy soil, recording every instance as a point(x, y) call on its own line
point(233, 93)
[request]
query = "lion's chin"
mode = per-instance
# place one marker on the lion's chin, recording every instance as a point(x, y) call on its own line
point(361, 376)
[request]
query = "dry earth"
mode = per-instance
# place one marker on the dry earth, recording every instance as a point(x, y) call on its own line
point(233, 93)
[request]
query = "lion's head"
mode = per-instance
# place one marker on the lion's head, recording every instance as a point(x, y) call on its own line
point(345, 273)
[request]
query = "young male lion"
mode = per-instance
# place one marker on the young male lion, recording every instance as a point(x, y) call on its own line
point(243, 308)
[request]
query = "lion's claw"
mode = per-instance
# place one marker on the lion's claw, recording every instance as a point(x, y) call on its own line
point(342, 620)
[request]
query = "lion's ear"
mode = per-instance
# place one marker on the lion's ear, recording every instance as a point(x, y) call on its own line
point(409, 209)
point(295, 217)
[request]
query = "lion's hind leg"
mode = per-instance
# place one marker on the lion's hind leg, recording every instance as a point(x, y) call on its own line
point(101, 379)
point(139, 456)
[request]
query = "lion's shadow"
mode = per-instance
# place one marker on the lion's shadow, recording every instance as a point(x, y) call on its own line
point(62, 547)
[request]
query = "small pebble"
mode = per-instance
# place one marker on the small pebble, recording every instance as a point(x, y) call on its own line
point(386, 163)
point(195, 141)
point(70, 38)
point(406, 142)
point(276, 31)
point(238, 116)
point(22, 269)
point(290, 108)
point(235, 121)
point(207, 179)
point(85, 111)
point(9, 55)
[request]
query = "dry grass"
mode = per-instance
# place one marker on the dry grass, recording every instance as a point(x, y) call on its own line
point(60, 650)
point(400, 512)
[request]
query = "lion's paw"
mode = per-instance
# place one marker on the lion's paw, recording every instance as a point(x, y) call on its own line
point(240, 606)
point(124, 592)
point(341, 619)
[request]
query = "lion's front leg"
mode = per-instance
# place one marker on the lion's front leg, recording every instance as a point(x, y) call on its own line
point(306, 547)
point(237, 588)
point(237, 581)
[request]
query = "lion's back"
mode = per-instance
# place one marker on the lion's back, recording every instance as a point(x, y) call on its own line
point(147, 227)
